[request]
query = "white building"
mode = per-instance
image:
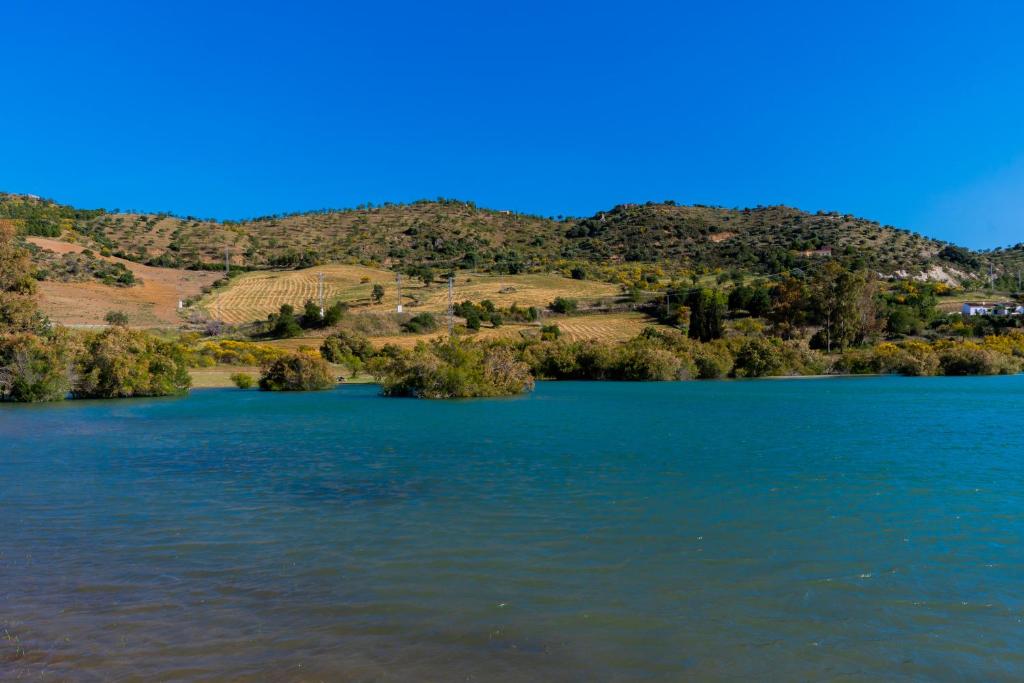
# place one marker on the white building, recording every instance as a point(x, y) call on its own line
point(971, 308)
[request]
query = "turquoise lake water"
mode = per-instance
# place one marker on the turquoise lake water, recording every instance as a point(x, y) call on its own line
point(834, 529)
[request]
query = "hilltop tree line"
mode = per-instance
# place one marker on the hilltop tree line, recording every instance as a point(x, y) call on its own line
point(445, 234)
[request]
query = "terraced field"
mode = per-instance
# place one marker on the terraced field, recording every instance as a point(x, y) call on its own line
point(609, 328)
point(254, 296)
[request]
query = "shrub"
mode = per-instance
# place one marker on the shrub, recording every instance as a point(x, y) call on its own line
point(563, 305)
point(454, 369)
point(550, 332)
point(116, 318)
point(33, 369)
point(642, 362)
point(311, 317)
point(120, 363)
point(421, 323)
point(343, 344)
point(713, 360)
point(231, 352)
point(286, 325)
point(297, 372)
point(243, 380)
point(334, 314)
point(759, 357)
point(967, 359)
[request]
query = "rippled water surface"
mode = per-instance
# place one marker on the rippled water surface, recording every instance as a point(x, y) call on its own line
point(799, 529)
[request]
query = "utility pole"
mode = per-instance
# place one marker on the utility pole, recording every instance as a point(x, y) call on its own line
point(320, 291)
point(398, 288)
point(227, 260)
point(451, 307)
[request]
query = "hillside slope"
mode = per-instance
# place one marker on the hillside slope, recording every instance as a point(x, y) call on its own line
point(448, 233)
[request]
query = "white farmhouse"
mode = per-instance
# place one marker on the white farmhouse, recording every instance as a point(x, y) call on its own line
point(973, 308)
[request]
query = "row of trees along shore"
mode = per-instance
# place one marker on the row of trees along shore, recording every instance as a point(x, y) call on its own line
point(856, 329)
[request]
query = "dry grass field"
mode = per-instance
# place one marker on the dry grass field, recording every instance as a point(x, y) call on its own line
point(154, 303)
point(254, 296)
point(609, 328)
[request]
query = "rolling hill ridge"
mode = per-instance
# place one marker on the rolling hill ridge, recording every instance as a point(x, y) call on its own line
point(447, 233)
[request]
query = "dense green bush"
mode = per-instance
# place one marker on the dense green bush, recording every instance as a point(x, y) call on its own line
point(243, 380)
point(421, 324)
point(297, 372)
point(33, 369)
point(344, 344)
point(713, 360)
point(759, 357)
point(453, 369)
point(284, 323)
point(645, 362)
point(968, 360)
point(120, 363)
point(564, 305)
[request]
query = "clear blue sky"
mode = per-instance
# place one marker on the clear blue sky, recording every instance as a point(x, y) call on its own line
point(908, 113)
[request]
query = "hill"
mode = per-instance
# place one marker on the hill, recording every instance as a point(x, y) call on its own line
point(152, 300)
point(447, 234)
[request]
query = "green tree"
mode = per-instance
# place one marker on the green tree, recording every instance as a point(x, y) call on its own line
point(34, 369)
point(297, 372)
point(377, 294)
point(844, 302)
point(286, 325)
point(454, 369)
point(707, 314)
point(788, 312)
point(334, 314)
point(343, 343)
point(759, 357)
point(119, 362)
point(311, 316)
point(564, 305)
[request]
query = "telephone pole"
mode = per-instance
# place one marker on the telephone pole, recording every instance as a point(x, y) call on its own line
point(227, 260)
point(320, 291)
point(398, 288)
point(451, 307)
